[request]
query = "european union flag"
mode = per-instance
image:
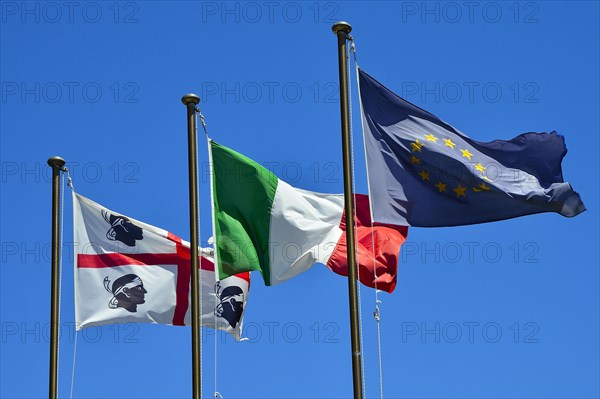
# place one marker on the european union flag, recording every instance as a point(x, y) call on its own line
point(424, 172)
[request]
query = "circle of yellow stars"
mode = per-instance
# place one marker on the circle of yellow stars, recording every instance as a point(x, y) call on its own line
point(416, 147)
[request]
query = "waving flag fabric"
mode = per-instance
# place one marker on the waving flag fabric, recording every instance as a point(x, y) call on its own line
point(129, 271)
point(424, 172)
point(262, 223)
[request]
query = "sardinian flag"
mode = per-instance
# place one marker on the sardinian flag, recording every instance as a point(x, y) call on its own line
point(128, 271)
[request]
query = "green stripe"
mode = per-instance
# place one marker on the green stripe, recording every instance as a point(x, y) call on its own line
point(243, 193)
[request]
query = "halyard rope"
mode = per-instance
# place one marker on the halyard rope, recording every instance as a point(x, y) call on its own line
point(70, 184)
point(60, 248)
point(362, 362)
point(73, 369)
point(216, 394)
point(200, 117)
point(376, 313)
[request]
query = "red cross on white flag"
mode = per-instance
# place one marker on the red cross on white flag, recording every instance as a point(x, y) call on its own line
point(129, 271)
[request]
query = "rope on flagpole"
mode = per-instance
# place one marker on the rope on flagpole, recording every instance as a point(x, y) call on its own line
point(202, 122)
point(215, 353)
point(199, 116)
point(60, 250)
point(362, 363)
point(216, 394)
point(70, 185)
point(73, 368)
point(377, 312)
point(69, 180)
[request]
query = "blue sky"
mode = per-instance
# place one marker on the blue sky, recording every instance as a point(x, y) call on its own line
point(501, 310)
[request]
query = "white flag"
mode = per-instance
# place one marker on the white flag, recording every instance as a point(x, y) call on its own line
point(129, 271)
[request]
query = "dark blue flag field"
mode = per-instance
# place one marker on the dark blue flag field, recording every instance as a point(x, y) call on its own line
point(424, 172)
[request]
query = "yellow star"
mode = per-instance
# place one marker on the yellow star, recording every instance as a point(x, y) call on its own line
point(481, 187)
point(416, 146)
point(415, 160)
point(480, 167)
point(431, 137)
point(466, 154)
point(459, 190)
point(449, 143)
point(424, 175)
point(441, 186)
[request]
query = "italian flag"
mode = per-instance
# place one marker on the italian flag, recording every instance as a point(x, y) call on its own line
point(262, 223)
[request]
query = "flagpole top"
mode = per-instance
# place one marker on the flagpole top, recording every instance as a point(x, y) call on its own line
point(190, 98)
point(341, 26)
point(56, 162)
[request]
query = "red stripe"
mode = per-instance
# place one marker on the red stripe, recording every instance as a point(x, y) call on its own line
point(244, 276)
point(183, 281)
point(181, 258)
point(363, 216)
point(376, 255)
point(147, 259)
point(116, 259)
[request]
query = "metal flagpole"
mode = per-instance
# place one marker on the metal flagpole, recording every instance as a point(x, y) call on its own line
point(190, 101)
point(57, 164)
point(342, 30)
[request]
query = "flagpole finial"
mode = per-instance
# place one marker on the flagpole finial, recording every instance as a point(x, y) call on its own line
point(341, 26)
point(56, 162)
point(190, 98)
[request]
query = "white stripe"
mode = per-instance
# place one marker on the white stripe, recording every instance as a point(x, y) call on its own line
point(365, 127)
point(304, 229)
